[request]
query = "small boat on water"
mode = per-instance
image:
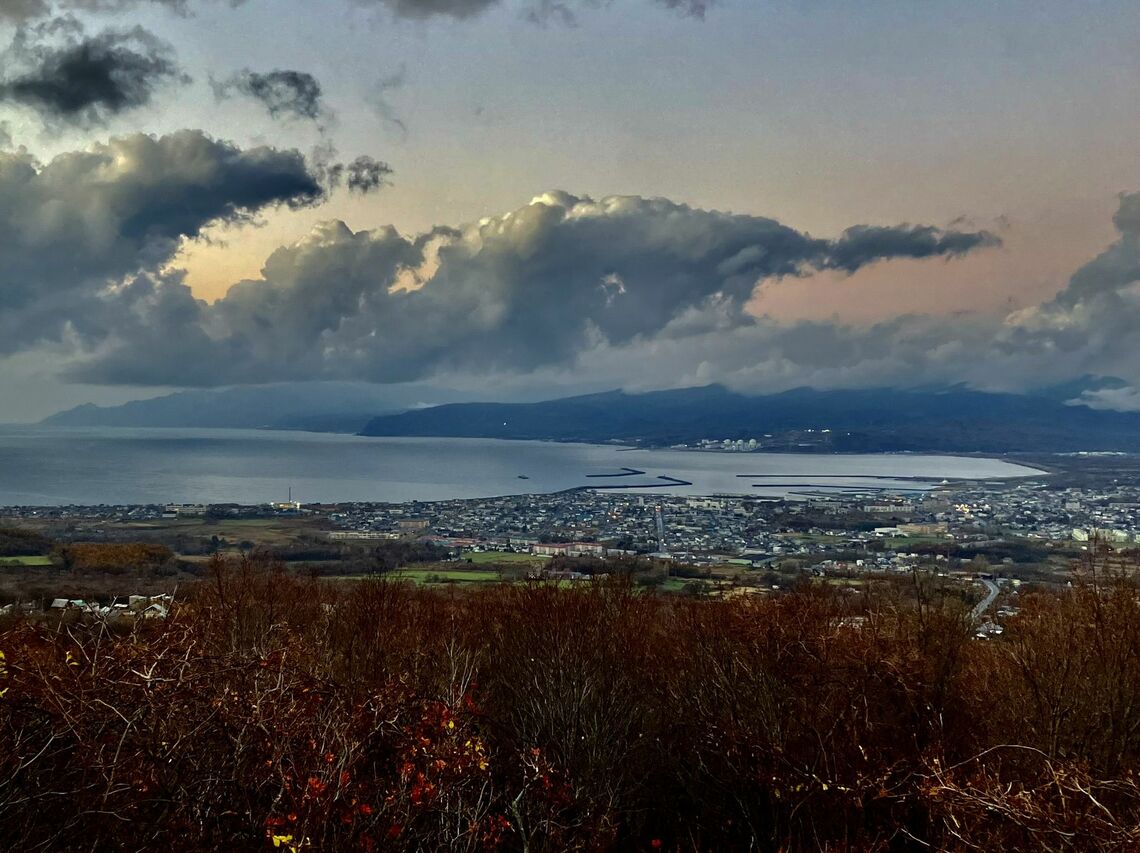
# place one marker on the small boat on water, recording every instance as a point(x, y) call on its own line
point(523, 477)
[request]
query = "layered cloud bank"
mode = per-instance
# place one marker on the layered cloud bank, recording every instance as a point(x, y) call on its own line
point(644, 292)
point(542, 287)
point(535, 288)
point(83, 229)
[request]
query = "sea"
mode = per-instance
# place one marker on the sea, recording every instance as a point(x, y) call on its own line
point(55, 466)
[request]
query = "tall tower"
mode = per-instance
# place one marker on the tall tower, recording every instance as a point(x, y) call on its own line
point(660, 516)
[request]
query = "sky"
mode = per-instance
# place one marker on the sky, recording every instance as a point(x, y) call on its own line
point(533, 197)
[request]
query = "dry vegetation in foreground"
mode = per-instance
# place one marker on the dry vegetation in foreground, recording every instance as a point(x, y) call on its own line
point(273, 711)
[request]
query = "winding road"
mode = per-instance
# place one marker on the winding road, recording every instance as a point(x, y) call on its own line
point(984, 604)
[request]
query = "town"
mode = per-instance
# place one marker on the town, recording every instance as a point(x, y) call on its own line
point(1026, 529)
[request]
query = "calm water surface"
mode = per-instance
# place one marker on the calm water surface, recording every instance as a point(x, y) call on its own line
point(52, 466)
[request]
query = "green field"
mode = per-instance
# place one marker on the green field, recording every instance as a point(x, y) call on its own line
point(445, 575)
point(480, 558)
point(486, 576)
point(39, 560)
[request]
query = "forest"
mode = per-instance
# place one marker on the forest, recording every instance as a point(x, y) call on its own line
point(273, 711)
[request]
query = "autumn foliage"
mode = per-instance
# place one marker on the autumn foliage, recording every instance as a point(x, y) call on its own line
point(271, 712)
point(113, 557)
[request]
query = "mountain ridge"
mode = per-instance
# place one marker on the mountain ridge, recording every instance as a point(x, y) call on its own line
point(866, 420)
point(323, 406)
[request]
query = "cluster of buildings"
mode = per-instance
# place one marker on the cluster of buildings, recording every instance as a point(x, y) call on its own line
point(701, 530)
point(1109, 511)
point(800, 438)
point(125, 607)
point(744, 529)
point(576, 523)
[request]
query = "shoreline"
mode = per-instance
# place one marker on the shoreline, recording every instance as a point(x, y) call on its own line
point(143, 466)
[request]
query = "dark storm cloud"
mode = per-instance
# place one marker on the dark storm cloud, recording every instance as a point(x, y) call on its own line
point(366, 174)
point(283, 93)
point(79, 225)
point(363, 175)
point(864, 244)
point(89, 80)
point(533, 289)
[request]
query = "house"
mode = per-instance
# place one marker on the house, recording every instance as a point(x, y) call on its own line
point(569, 549)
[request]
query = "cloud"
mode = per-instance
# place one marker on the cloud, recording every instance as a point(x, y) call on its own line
point(1126, 399)
point(535, 10)
point(283, 93)
point(571, 290)
point(537, 288)
point(431, 8)
point(363, 175)
point(1090, 328)
point(695, 8)
point(80, 226)
point(366, 174)
point(538, 11)
point(864, 244)
point(88, 80)
point(28, 10)
point(1093, 325)
point(378, 99)
point(22, 10)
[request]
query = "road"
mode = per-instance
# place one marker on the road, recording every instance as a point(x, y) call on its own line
point(984, 604)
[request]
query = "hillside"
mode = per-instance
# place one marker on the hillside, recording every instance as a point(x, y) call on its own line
point(949, 420)
point(315, 406)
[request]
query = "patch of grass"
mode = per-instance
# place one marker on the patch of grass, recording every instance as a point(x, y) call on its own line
point(37, 560)
point(231, 553)
point(480, 558)
point(676, 585)
point(423, 576)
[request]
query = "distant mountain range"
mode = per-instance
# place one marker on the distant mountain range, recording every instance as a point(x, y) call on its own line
point(803, 420)
point(317, 406)
point(806, 420)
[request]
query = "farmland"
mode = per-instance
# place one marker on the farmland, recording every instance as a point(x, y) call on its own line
point(430, 575)
point(481, 558)
point(32, 560)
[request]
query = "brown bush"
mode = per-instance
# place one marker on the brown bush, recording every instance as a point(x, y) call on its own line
point(113, 557)
point(270, 711)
